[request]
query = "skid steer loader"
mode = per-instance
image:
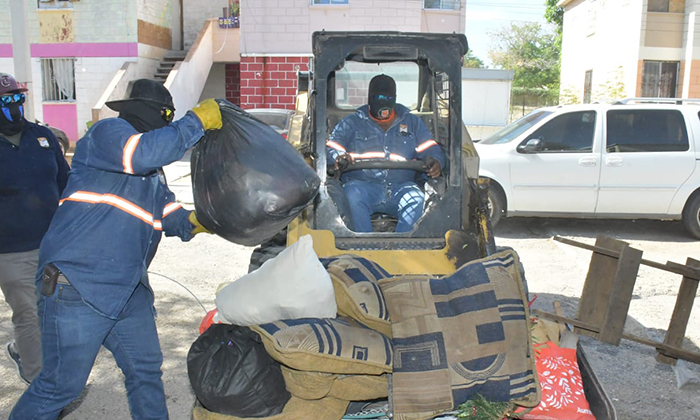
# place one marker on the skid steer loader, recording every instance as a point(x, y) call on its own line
point(455, 226)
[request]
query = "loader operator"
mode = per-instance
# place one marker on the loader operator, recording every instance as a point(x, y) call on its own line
point(93, 260)
point(383, 130)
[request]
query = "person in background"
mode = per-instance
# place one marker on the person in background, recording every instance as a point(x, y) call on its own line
point(94, 258)
point(383, 130)
point(33, 174)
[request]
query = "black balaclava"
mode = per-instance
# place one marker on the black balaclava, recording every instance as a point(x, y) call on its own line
point(12, 120)
point(381, 107)
point(142, 115)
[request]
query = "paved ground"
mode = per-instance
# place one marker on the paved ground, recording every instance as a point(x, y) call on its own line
point(639, 387)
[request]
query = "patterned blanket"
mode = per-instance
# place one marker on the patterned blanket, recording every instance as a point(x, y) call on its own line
point(461, 335)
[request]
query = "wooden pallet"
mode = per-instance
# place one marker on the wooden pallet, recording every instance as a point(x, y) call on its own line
point(607, 293)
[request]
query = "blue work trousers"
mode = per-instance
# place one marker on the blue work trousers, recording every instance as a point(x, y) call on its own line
point(72, 334)
point(403, 201)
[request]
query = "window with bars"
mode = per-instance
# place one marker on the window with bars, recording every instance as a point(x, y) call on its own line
point(53, 4)
point(58, 79)
point(442, 4)
point(329, 1)
point(660, 79)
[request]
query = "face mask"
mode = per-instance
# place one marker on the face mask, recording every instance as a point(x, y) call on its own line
point(381, 106)
point(143, 116)
point(12, 119)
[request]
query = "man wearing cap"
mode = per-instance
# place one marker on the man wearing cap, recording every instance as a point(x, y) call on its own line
point(33, 174)
point(93, 261)
point(383, 130)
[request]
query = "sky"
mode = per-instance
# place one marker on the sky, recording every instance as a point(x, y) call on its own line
point(484, 16)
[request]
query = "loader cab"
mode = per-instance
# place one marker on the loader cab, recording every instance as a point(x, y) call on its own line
point(427, 71)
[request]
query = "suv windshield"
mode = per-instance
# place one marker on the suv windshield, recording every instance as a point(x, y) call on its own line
point(516, 128)
point(353, 80)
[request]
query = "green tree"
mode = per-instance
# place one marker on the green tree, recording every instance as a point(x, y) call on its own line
point(472, 62)
point(554, 15)
point(532, 53)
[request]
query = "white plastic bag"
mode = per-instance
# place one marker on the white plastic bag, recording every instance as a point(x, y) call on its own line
point(293, 285)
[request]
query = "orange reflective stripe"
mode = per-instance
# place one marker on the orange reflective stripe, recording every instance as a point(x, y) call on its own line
point(394, 156)
point(426, 145)
point(115, 201)
point(129, 149)
point(335, 145)
point(157, 225)
point(170, 208)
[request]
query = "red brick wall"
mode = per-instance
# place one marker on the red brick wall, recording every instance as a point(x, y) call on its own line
point(233, 83)
point(270, 82)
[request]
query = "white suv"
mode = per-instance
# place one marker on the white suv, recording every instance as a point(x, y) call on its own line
point(629, 160)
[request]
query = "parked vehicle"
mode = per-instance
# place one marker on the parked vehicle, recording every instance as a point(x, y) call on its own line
point(635, 158)
point(279, 119)
point(60, 135)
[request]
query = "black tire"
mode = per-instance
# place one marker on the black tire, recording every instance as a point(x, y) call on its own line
point(691, 215)
point(496, 203)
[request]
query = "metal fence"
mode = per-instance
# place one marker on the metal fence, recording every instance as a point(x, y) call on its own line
point(58, 79)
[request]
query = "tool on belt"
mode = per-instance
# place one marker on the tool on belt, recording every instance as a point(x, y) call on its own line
point(49, 278)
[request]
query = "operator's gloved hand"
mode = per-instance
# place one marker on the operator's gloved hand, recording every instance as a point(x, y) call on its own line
point(433, 167)
point(209, 114)
point(342, 161)
point(196, 226)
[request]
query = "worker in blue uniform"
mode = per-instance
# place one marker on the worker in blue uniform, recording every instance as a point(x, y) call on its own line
point(384, 130)
point(94, 258)
point(33, 174)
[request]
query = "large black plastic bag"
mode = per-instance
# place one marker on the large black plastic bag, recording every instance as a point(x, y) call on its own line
point(248, 181)
point(231, 373)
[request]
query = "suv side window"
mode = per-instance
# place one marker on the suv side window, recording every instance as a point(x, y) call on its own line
point(569, 133)
point(646, 130)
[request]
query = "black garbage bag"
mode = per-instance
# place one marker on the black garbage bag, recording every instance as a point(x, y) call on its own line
point(248, 181)
point(231, 373)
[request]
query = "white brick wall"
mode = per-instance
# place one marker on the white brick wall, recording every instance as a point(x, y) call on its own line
point(5, 26)
point(285, 26)
point(104, 21)
point(196, 12)
point(157, 12)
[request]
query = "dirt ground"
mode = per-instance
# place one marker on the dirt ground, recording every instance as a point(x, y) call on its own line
point(639, 387)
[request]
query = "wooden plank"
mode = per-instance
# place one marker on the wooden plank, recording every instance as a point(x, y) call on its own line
point(599, 280)
point(681, 314)
point(670, 266)
point(620, 295)
point(671, 351)
point(558, 311)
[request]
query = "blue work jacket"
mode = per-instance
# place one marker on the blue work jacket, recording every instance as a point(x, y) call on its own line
point(32, 178)
point(360, 136)
point(115, 207)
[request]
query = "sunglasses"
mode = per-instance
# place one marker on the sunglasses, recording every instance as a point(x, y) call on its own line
point(6, 100)
point(384, 97)
point(167, 114)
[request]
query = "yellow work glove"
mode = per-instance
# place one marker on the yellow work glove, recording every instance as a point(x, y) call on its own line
point(209, 114)
point(196, 226)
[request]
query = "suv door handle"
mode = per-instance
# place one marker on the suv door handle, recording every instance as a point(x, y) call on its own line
point(613, 161)
point(587, 161)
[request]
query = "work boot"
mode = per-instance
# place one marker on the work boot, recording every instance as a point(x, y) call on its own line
point(14, 356)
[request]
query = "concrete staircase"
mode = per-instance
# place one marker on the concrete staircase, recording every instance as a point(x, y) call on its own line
point(167, 63)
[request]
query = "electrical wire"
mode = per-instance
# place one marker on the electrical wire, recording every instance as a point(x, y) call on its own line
point(183, 286)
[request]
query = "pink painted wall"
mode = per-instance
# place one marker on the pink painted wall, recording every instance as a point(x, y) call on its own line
point(63, 116)
point(5, 50)
point(86, 49)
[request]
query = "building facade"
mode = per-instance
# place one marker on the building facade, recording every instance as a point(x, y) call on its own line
point(630, 48)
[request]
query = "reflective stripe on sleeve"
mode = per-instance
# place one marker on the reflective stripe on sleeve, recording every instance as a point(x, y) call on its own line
point(115, 201)
point(170, 208)
point(425, 146)
point(334, 145)
point(129, 149)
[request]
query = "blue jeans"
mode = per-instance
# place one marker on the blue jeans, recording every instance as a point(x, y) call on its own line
point(72, 334)
point(403, 201)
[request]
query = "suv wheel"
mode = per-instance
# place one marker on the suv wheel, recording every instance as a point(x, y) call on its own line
point(496, 203)
point(691, 215)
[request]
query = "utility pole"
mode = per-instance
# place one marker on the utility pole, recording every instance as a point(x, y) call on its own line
point(21, 56)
